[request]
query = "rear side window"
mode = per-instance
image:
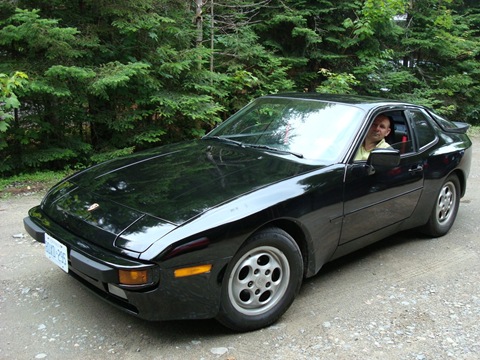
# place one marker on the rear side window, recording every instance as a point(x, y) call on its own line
point(423, 129)
point(444, 123)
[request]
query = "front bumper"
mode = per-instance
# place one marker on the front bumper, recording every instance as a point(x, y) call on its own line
point(165, 298)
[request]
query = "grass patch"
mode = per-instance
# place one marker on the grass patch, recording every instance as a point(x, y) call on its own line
point(30, 183)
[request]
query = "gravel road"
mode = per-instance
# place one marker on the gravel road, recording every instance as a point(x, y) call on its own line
point(407, 297)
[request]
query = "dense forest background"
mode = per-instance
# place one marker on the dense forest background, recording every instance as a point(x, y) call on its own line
point(86, 80)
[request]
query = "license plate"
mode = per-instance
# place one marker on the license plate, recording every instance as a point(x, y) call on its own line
point(56, 252)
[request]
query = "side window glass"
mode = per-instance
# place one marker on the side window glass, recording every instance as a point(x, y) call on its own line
point(423, 128)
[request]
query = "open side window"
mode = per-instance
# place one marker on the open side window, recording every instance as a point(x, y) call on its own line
point(400, 136)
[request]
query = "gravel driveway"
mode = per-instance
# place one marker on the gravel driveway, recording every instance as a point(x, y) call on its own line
point(407, 297)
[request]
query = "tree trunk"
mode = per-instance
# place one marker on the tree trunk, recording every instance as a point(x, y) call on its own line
point(212, 34)
point(199, 21)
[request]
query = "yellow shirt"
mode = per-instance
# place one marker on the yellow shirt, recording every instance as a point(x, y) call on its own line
point(362, 153)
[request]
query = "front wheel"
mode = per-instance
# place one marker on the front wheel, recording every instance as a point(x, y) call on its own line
point(261, 281)
point(445, 209)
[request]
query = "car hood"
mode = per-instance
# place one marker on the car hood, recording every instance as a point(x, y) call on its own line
point(133, 201)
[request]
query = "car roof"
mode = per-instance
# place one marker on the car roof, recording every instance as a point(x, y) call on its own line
point(366, 102)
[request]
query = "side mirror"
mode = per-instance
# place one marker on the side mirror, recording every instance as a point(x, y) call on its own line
point(382, 158)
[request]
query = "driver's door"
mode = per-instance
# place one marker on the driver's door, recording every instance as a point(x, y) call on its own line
point(375, 203)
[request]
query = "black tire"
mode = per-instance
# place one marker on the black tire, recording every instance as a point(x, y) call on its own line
point(445, 208)
point(261, 281)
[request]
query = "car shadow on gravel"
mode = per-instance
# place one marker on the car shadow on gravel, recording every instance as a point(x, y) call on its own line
point(391, 242)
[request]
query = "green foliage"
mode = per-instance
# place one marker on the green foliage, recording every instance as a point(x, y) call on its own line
point(337, 83)
point(115, 75)
point(28, 33)
point(185, 116)
point(8, 98)
point(107, 79)
point(110, 155)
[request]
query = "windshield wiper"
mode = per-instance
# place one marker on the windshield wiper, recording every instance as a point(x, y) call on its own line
point(273, 149)
point(224, 139)
point(254, 146)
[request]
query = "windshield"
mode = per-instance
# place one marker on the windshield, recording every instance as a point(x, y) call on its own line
point(314, 130)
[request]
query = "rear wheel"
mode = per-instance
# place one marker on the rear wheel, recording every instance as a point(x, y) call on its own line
point(261, 281)
point(445, 209)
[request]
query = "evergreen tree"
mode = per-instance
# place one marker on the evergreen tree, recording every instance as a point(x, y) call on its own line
point(109, 78)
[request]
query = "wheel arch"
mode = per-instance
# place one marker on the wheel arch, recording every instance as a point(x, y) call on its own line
point(462, 180)
point(298, 234)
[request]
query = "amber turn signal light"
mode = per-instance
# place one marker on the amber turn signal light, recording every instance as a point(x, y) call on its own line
point(133, 277)
point(193, 270)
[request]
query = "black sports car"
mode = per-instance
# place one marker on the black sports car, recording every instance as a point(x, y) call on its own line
point(227, 226)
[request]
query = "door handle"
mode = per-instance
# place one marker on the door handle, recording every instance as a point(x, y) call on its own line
point(416, 168)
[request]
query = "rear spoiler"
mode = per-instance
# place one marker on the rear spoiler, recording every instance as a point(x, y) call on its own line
point(461, 127)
